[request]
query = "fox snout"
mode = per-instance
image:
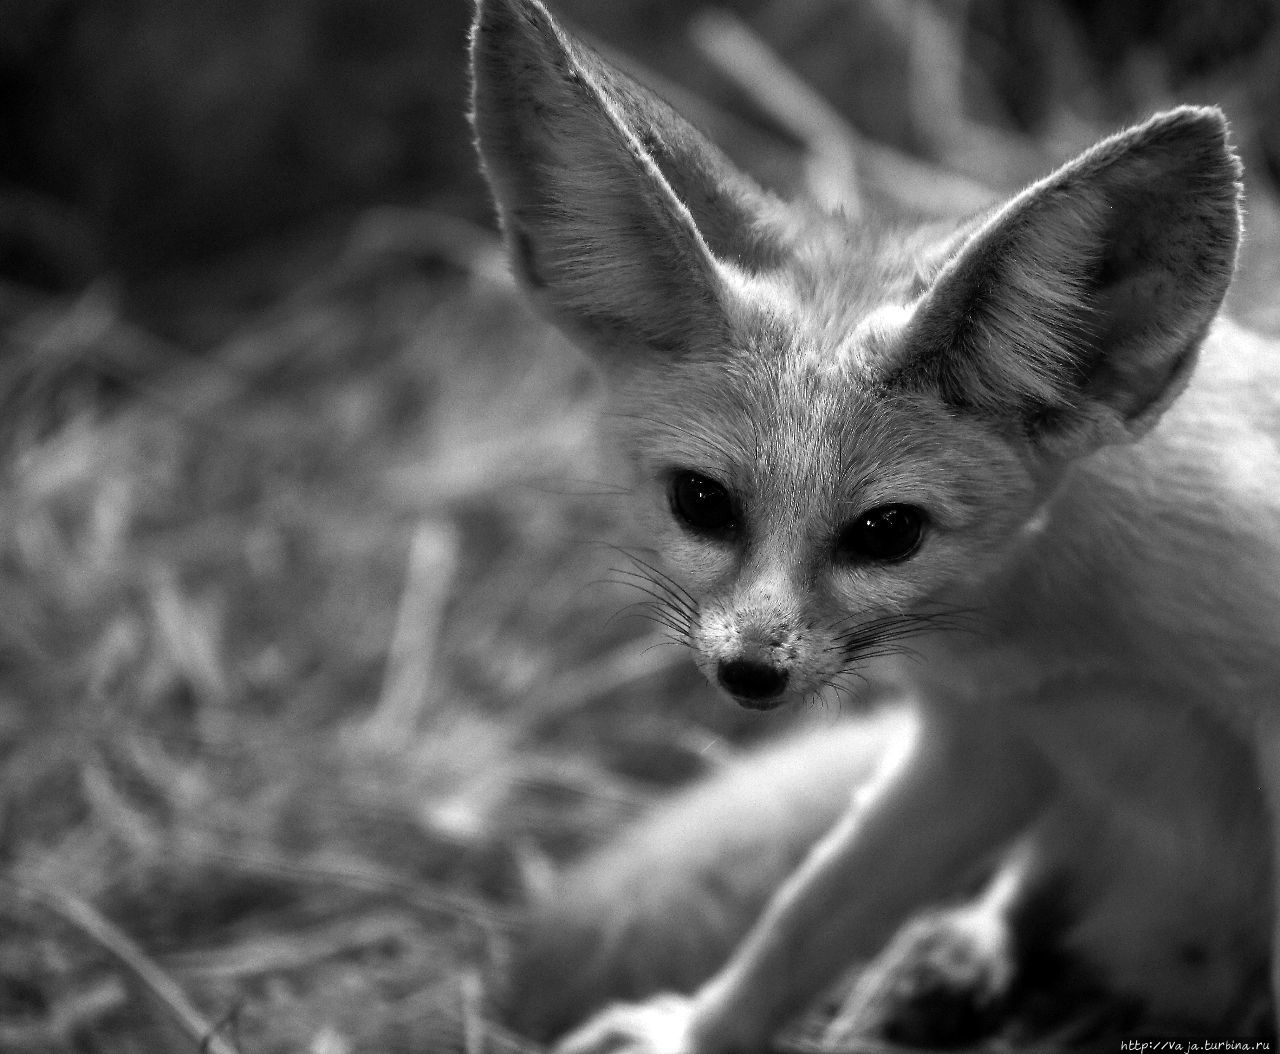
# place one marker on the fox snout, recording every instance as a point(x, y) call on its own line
point(753, 651)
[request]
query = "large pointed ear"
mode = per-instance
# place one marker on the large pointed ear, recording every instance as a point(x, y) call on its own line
point(1073, 316)
point(613, 207)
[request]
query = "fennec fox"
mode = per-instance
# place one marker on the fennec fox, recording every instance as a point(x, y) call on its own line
point(985, 438)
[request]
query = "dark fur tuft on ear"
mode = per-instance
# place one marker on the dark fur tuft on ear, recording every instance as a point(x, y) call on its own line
point(1075, 313)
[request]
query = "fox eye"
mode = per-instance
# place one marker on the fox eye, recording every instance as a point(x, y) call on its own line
point(701, 504)
point(884, 535)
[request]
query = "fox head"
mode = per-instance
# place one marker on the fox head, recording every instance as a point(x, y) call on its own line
point(835, 425)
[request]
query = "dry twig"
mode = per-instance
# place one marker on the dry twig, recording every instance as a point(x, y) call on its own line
point(91, 923)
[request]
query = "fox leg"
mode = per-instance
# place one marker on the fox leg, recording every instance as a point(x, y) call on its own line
point(963, 790)
point(949, 973)
point(661, 906)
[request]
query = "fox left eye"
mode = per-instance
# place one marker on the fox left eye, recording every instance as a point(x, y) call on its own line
point(703, 505)
point(883, 535)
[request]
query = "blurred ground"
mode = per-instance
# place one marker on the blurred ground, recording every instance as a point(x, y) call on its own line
point(311, 658)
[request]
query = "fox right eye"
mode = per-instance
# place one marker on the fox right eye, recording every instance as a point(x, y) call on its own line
point(701, 504)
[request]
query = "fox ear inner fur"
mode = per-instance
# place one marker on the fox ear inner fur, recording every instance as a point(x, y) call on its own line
point(1074, 314)
point(614, 208)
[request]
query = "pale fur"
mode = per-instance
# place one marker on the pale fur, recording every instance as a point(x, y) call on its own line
point(1107, 700)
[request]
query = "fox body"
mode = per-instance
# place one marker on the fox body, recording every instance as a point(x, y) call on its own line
point(981, 437)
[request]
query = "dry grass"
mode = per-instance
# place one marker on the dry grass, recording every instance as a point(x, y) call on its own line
point(311, 661)
point(296, 632)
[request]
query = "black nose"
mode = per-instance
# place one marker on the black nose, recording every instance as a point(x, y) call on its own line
point(751, 682)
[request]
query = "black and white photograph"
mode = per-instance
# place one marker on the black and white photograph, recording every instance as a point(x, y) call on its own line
point(637, 527)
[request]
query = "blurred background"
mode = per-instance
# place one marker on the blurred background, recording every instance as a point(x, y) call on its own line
point(315, 656)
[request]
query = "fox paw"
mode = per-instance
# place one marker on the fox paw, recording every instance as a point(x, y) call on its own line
point(944, 981)
point(657, 1026)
